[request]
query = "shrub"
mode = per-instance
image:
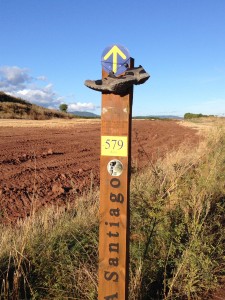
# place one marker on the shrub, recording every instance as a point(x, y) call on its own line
point(63, 107)
point(195, 116)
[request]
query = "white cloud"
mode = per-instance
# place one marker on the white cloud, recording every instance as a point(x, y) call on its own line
point(13, 78)
point(81, 106)
point(42, 96)
point(18, 82)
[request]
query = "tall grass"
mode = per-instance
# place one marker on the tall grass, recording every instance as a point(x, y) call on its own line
point(178, 249)
point(177, 235)
point(52, 255)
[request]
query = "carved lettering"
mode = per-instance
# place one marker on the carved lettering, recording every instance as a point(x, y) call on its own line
point(114, 262)
point(114, 247)
point(117, 198)
point(111, 276)
point(113, 224)
point(111, 297)
point(111, 234)
point(115, 183)
point(114, 212)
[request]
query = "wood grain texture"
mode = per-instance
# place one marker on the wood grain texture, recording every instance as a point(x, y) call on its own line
point(114, 201)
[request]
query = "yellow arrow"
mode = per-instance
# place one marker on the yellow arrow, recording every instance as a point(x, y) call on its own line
point(114, 51)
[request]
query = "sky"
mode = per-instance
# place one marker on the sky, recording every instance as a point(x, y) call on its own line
point(48, 48)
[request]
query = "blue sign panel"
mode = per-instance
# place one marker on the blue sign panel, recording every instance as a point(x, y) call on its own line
point(115, 58)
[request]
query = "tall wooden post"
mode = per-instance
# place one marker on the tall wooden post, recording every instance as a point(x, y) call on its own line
point(115, 166)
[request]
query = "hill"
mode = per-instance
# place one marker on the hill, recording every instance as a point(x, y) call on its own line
point(85, 114)
point(17, 108)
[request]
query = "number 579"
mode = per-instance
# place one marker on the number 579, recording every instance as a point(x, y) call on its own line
point(113, 144)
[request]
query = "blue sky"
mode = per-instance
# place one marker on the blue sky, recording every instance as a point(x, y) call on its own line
point(49, 47)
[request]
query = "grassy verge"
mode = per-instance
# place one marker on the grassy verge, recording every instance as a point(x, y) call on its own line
point(178, 221)
point(52, 255)
point(177, 235)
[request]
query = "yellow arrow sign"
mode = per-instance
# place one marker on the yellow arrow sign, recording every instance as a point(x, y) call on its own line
point(114, 51)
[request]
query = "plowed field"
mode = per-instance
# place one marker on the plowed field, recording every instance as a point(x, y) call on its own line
point(49, 162)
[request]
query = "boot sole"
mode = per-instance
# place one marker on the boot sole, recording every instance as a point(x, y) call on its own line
point(117, 86)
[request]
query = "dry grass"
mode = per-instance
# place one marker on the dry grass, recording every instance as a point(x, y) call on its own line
point(178, 248)
point(53, 254)
point(53, 123)
point(17, 108)
point(204, 125)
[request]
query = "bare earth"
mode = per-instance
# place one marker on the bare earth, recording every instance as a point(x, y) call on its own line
point(47, 162)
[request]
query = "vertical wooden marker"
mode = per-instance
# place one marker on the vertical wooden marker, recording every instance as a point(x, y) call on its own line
point(115, 165)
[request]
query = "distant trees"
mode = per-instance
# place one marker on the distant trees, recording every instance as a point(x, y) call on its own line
point(63, 107)
point(195, 116)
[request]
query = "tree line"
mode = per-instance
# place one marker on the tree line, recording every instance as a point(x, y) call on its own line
point(195, 116)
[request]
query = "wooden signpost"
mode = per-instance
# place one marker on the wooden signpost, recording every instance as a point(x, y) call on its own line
point(115, 165)
point(115, 168)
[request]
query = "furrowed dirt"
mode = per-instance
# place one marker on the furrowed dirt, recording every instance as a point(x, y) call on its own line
point(49, 162)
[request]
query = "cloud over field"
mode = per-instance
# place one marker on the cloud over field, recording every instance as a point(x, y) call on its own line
point(18, 82)
point(81, 106)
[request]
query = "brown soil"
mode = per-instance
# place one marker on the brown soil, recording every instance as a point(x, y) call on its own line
point(43, 163)
point(219, 294)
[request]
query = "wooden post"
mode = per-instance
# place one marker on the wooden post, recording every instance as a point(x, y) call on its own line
point(115, 167)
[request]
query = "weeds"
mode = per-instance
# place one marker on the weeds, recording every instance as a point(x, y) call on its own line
point(53, 255)
point(177, 235)
point(178, 222)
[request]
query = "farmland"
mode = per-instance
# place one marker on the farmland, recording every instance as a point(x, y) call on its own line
point(50, 174)
point(51, 161)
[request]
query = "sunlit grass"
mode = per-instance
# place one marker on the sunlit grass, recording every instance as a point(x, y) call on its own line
point(177, 235)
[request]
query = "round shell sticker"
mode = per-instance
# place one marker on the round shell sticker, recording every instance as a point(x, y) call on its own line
point(116, 59)
point(115, 167)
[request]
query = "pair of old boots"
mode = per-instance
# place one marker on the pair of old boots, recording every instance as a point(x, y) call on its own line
point(121, 84)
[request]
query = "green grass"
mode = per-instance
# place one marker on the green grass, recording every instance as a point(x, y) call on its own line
point(177, 246)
